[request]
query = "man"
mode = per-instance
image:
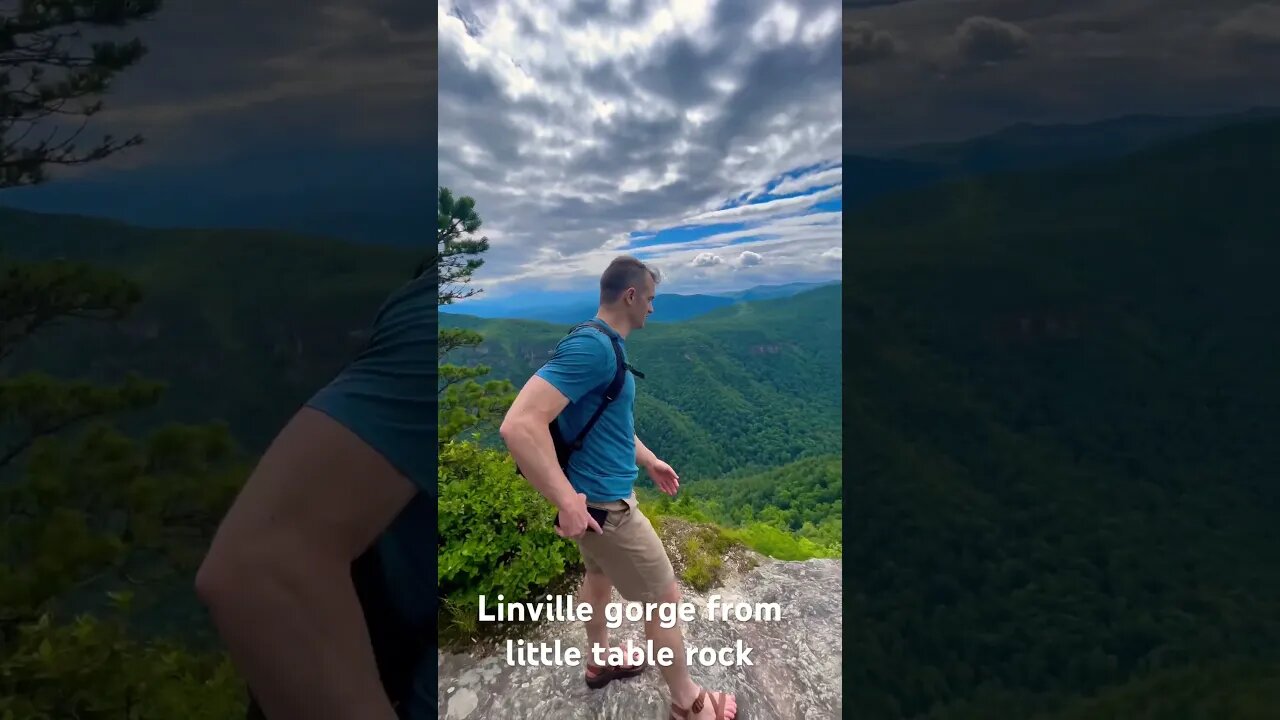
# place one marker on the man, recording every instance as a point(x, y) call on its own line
point(625, 552)
point(355, 467)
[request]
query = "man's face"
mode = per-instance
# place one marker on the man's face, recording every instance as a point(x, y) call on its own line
point(642, 302)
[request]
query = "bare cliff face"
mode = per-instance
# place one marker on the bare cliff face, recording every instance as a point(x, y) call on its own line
point(794, 672)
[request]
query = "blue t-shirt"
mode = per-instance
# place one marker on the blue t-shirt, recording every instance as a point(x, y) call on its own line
point(581, 369)
point(388, 396)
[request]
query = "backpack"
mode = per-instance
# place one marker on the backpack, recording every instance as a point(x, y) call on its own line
point(565, 448)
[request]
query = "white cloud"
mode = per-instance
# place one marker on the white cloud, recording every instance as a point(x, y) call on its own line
point(705, 259)
point(749, 259)
point(803, 183)
point(765, 209)
point(575, 124)
point(777, 26)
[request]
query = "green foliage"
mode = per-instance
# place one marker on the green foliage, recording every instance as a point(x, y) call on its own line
point(495, 532)
point(110, 496)
point(456, 218)
point(36, 295)
point(706, 382)
point(451, 339)
point(701, 567)
point(467, 406)
point(95, 512)
point(34, 405)
point(240, 325)
point(1055, 394)
point(658, 506)
point(46, 70)
point(470, 407)
point(803, 498)
point(1239, 690)
point(95, 668)
point(696, 545)
point(772, 541)
point(793, 512)
point(92, 515)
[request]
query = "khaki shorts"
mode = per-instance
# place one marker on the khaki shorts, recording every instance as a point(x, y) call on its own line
point(628, 552)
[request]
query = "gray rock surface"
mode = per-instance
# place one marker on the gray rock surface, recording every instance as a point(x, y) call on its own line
point(795, 673)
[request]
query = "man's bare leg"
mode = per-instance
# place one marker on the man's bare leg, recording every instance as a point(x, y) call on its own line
point(683, 690)
point(596, 591)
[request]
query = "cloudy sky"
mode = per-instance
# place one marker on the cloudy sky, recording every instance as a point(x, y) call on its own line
point(263, 113)
point(925, 70)
point(208, 87)
point(702, 137)
point(584, 133)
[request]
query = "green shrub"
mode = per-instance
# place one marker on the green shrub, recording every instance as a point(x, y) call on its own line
point(496, 535)
point(87, 516)
point(772, 539)
point(777, 543)
point(701, 565)
point(93, 667)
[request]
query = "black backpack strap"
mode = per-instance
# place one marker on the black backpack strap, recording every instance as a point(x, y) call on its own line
point(565, 448)
point(611, 392)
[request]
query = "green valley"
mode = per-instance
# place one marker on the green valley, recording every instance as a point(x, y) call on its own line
point(243, 326)
point(1060, 401)
point(749, 386)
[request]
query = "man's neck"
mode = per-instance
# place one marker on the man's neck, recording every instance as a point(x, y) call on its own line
point(615, 320)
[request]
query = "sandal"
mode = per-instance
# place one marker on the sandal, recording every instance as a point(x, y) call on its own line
point(717, 703)
point(606, 674)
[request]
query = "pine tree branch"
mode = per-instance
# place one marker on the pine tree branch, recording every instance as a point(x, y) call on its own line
point(31, 439)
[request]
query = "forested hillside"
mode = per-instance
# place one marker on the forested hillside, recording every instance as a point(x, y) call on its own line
point(804, 497)
point(1061, 402)
point(749, 386)
point(243, 326)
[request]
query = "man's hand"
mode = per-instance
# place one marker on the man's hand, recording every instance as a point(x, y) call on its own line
point(663, 476)
point(575, 521)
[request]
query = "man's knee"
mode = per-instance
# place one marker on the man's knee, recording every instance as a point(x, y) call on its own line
point(671, 593)
point(595, 582)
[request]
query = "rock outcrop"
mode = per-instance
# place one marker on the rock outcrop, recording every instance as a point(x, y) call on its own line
point(794, 675)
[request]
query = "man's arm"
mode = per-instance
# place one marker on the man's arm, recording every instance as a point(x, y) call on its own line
point(277, 578)
point(581, 364)
point(524, 430)
point(659, 472)
point(644, 456)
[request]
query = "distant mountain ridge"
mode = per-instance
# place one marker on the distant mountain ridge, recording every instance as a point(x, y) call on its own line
point(378, 194)
point(668, 307)
point(1022, 147)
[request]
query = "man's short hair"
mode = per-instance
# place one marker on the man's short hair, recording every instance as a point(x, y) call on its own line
point(624, 272)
